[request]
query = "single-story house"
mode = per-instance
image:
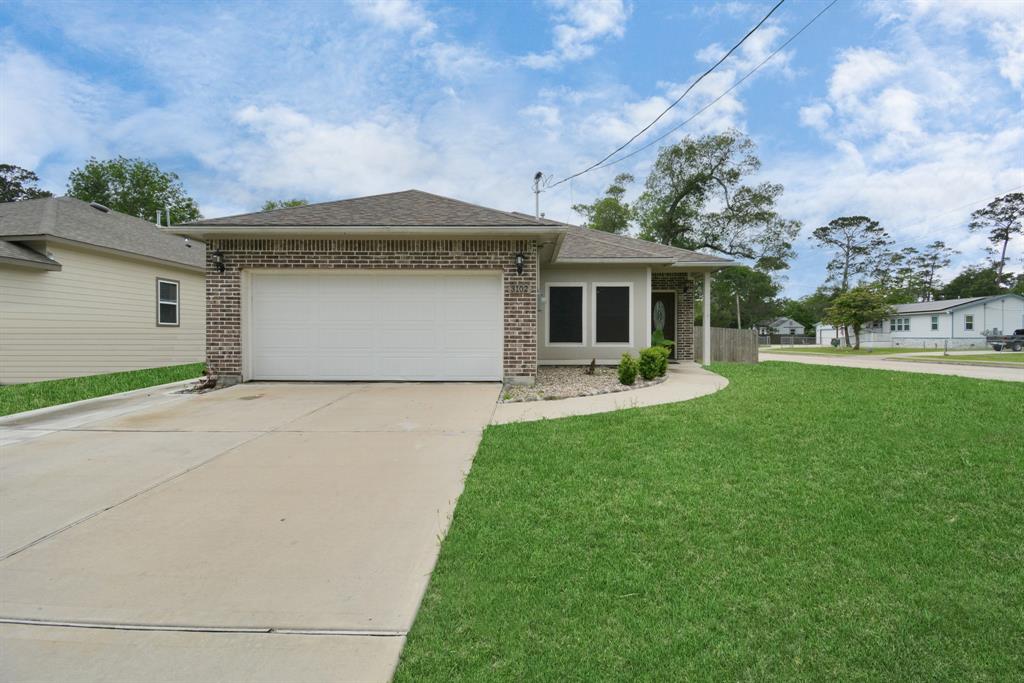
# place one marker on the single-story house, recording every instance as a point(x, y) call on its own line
point(783, 326)
point(414, 286)
point(86, 290)
point(949, 323)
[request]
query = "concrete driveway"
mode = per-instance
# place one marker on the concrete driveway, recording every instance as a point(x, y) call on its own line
point(279, 532)
point(893, 362)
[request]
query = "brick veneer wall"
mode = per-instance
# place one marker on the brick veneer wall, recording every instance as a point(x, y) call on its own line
point(224, 290)
point(682, 284)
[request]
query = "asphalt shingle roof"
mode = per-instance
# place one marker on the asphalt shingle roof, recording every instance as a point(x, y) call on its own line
point(586, 243)
point(18, 252)
point(408, 208)
point(77, 221)
point(929, 306)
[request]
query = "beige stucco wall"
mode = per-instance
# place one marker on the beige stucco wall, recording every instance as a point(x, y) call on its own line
point(638, 276)
point(96, 315)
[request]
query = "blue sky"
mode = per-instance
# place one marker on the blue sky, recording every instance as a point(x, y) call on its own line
point(907, 112)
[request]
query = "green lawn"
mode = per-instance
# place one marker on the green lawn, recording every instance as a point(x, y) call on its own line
point(805, 523)
point(843, 351)
point(997, 357)
point(15, 398)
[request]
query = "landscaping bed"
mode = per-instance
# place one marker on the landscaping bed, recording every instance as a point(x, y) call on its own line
point(567, 381)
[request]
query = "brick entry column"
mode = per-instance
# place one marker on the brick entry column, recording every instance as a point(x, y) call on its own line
point(682, 284)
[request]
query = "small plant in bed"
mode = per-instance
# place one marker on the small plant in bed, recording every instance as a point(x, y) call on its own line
point(653, 362)
point(627, 369)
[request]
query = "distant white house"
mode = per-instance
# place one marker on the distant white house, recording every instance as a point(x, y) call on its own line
point(785, 326)
point(952, 323)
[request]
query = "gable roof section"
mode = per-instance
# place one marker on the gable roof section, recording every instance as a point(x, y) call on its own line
point(20, 255)
point(70, 219)
point(587, 244)
point(410, 208)
point(935, 306)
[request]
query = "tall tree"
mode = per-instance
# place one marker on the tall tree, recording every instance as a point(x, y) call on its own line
point(697, 197)
point(755, 290)
point(17, 183)
point(272, 204)
point(926, 266)
point(981, 280)
point(857, 307)
point(1002, 219)
point(608, 213)
point(858, 245)
point(133, 186)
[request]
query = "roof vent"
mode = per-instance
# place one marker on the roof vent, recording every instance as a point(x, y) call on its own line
point(99, 207)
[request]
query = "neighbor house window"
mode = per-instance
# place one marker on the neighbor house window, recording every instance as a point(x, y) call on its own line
point(899, 325)
point(968, 322)
point(565, 314)
point(613, 314)
point(166, 302)
point(935, 323)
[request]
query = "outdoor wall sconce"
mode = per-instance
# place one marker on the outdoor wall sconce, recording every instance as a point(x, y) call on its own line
point(520, 260)
point(218, 260)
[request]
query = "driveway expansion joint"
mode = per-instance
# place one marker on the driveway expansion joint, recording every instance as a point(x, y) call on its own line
point(199, 628)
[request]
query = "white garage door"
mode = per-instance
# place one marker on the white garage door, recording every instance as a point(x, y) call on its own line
point(348, 326)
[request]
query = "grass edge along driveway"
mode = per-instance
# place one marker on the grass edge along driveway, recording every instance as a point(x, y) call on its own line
point(17, 398)
point(805, 523)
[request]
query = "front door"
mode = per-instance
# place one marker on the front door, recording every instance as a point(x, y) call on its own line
point(663, 315)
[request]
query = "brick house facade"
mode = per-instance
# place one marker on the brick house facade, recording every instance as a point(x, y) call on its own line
point(224, 289)
point(683, 286)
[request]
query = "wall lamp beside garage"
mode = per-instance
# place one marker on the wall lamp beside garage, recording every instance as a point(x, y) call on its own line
point(520, 260)
point(218, 260)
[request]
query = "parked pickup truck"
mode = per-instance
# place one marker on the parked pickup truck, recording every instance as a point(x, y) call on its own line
point(1013, 341)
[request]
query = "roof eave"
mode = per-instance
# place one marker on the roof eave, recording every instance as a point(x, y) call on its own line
point(258, 231)
point(29, 263)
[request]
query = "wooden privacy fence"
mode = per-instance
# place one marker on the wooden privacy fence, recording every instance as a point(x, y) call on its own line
point(728, 345)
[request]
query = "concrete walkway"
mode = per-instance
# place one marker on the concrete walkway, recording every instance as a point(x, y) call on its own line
point(893, 363)
point(685, 381)
point(265, 532)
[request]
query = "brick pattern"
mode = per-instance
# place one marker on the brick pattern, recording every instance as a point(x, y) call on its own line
point(683, 285)
point(224, 290)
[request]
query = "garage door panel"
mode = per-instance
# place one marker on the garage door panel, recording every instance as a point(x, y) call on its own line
point(388, 326)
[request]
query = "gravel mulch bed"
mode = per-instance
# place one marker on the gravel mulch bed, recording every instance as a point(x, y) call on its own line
point(566, 381)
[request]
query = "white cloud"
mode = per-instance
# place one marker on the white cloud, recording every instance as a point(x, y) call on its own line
point(816, 115)
point(397, 15)
point(579, 24)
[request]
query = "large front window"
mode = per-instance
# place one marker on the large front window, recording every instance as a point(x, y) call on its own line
point(565, 314)
point(613, 314)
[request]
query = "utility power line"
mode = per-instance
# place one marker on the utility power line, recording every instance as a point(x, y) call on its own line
point(715, 101)
point(677, 101)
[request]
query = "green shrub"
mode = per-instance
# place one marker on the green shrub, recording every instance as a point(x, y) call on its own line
point(654, 362)
point(627, 369)
point(663, 355)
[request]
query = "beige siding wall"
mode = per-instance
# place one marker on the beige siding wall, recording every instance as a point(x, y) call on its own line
point(637, 276)
point(96, 315)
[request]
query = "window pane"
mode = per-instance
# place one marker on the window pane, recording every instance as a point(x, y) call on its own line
point(612, 315)
point(168, 291)
point(168, 314)
point(565, 315)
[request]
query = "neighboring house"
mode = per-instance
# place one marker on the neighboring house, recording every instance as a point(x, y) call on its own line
point(783, 326)
point(86, 290)
point(413, 286)
point(951, 323)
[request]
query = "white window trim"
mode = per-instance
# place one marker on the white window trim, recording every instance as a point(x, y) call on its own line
point(966, 327)
point(583, 313)
point(593, 314)
point(176, 303)
point(934, 324)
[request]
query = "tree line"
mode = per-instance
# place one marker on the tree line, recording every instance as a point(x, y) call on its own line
point(699, 196)
point(133, 186)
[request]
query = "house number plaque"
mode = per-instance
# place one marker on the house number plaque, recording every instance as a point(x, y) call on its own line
point(520, 289)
